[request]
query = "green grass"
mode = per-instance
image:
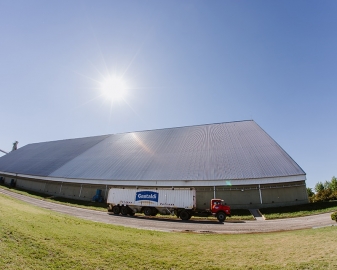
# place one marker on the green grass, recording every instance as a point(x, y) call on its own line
point(35, 238)
point(299, 210)
point(61, 200)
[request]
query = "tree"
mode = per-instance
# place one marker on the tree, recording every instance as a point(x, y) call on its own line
point(326, 185)
point(326, 191)
point(310, 192)
point(333, 184)
point(319, 187)
point(323, 195)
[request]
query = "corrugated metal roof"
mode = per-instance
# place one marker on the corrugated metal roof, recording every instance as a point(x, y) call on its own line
point(44, 158)
point(234, 150)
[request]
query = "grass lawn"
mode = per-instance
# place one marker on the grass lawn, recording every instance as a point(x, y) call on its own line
point(61, 200)
point(35, 238)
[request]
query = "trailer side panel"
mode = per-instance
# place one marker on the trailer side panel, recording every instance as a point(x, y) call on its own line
point(167, 198)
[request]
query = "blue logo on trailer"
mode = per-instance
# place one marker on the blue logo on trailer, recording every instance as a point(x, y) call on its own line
point(147, 196)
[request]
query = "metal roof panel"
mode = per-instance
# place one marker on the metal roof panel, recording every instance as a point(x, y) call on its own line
point(44, 158)
point(234, 150)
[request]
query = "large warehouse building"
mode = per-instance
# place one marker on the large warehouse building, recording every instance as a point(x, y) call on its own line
point(236, 161)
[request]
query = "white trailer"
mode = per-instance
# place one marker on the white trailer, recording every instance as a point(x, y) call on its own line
point(180, 202)
point(150, 202)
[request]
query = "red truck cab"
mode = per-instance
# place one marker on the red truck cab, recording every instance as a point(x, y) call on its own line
point(220, 209)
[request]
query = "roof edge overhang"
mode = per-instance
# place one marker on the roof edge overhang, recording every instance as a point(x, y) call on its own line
point(165, 183)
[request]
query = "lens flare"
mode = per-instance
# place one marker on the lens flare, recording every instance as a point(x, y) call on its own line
point(114, 88)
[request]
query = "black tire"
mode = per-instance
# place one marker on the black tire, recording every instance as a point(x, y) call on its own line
point(125, 210)
point(221, 216)
point(116, 209)
point(147, 211)
point(154, 211)
point(131, 213)
point(184, 215)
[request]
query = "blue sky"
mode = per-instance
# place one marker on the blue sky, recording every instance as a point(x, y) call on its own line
point(184, 63)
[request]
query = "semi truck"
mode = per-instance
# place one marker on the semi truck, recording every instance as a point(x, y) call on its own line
point(179, 202)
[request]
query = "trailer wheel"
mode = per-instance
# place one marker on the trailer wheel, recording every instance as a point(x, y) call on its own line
point(184, 215)
point(116, 209)
point(147, 211)
point(154, 211)
point(131, 213)
point(221, 216)
point(124, 210)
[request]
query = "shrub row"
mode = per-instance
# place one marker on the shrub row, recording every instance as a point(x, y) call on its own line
point(324, 196)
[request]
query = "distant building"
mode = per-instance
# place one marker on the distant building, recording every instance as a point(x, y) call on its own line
point(236, 161)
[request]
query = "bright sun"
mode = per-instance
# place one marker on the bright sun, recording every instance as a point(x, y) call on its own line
point(114, 88)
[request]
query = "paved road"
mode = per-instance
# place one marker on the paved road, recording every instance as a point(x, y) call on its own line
point(197, 226)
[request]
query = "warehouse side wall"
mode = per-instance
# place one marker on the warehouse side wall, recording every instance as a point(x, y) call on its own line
point(255, 196)
point(238, 197)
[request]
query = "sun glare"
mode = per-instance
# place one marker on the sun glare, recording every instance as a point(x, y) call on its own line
point(114, 89)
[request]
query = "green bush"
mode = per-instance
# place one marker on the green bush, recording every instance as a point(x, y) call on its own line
point(334, 216)
point(324, 196)
point(325, 192)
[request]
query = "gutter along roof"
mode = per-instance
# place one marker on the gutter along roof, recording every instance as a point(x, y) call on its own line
point(225, 151)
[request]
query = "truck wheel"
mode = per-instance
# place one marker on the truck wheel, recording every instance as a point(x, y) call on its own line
point(221, 216)
point(154, 211)
point(116, 209)
point(131, 213)
point(184, 215)
point(124, 210)
point(147, 211)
